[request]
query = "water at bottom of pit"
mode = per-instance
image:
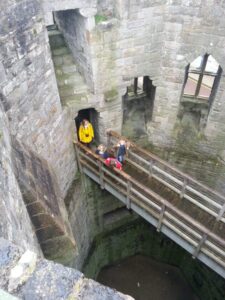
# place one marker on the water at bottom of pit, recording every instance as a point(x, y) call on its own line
point(146, 279)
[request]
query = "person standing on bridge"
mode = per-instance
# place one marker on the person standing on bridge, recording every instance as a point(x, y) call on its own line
point(86, 133)
point(121, 152)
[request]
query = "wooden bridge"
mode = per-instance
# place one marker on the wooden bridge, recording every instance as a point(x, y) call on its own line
point(188, 212)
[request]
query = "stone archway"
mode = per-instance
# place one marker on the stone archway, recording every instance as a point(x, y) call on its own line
point(92, 116)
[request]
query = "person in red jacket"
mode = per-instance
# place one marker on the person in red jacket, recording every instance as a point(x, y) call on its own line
point(113, 162)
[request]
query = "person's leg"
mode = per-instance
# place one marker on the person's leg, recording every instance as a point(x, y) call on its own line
point(120, 158)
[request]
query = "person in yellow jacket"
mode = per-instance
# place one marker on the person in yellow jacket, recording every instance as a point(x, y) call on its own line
point(86, 132)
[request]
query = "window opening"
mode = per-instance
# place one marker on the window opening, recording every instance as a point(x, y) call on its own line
point(138, 104)
point(202, 77)
point(137, 87)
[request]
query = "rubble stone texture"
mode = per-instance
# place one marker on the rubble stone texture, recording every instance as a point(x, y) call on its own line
point(45, 279)
point(107, 44)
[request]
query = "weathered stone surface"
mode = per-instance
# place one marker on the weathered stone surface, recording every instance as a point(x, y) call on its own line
point(46, 280)
point(91, 290)
point(158, 39)
point(9, 255)
point(15, 224)
point(56, 5)
point(49, 217)
point(50, 280)
point(22, 271)
point(6, 296)
point(28, 88)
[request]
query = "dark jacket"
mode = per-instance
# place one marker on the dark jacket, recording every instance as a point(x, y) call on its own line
point(102, 154)
point(121, 150)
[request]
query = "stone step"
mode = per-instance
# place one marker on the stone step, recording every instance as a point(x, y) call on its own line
point(60, 51)
point(65, 59)
point(65, 70)
point(70, 79)
point(78, 98)
point(54, 32)
point(56, 40)
point(52, 27)
point(72, 83)
point(68, 59)
point(72, 90)
point(65, 92)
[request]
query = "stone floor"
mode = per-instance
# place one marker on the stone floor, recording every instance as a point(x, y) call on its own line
point(147, 279)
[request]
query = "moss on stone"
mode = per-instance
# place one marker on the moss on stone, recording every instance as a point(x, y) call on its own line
point(111, 95)
point(100, 18)
point(139, 237)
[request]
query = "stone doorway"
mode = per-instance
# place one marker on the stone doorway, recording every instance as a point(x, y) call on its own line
point(92, 116)
point(138, 104)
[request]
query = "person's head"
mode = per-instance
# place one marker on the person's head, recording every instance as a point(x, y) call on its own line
point(122, 142)
point(101, 148)
point(85, 122)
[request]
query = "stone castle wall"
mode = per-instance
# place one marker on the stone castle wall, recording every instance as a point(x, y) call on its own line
point(157, 39)
point(73, 25)
point(15, 224)
point(134, 38)
point(191, 29)
point(28, 88)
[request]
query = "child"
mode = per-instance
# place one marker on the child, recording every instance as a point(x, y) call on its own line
point(113, 162)
point(121, 152)
point(101, 151)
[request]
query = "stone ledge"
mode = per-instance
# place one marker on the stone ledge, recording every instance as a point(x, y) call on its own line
point(39, 279)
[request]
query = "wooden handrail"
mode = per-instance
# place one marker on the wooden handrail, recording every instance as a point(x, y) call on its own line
point(189, 178)
point(182, 216)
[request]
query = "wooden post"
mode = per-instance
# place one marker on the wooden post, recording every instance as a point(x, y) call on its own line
point(128, 194)
point(163, 208)
point(77, 151)
point(221, 212)
point(150, 166)
point(183, 188)
point(101, 174)
point(197, 250)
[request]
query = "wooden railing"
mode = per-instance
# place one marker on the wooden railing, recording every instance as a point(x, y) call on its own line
point(187, 187)
point(182, 228)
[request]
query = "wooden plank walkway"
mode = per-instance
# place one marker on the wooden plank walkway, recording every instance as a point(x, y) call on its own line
point(188, 212)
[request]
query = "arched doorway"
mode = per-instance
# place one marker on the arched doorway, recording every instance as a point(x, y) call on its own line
point(92, 116)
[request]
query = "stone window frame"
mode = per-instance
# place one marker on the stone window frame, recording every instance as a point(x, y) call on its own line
point(201, 72)
point(138, 87)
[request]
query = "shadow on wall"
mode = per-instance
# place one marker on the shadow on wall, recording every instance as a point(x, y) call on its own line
point(138, 105)
point(41, 195)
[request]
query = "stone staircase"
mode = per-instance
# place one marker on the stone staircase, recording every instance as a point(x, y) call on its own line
point(71, 84)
